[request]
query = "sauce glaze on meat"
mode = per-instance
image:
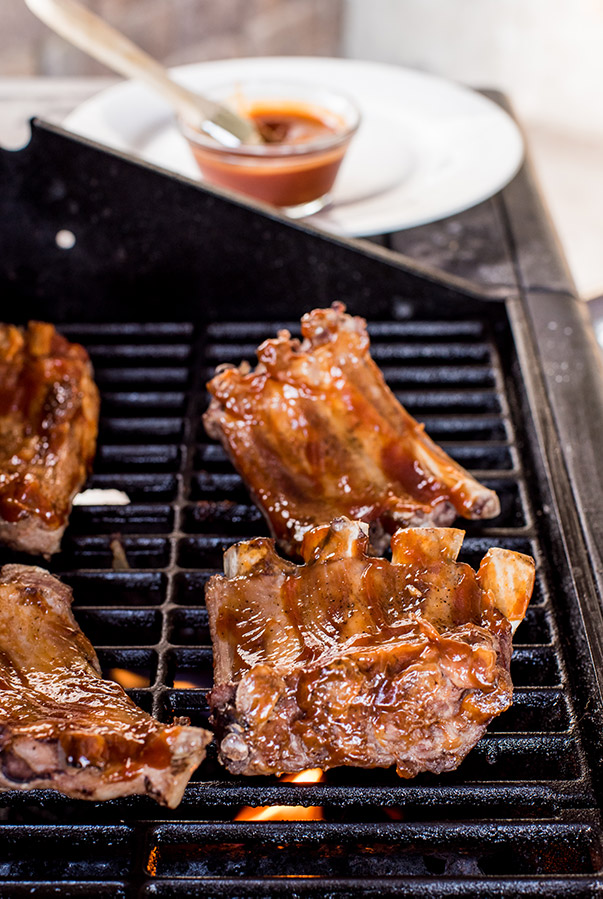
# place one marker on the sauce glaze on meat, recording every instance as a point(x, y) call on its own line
point(62, 726)
point(48, 425)
point(316, 433)
point(355, 660)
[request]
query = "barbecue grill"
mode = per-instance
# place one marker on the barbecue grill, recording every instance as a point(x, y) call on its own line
point(507, 379)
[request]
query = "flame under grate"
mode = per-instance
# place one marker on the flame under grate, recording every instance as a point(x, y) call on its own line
point(508, 812)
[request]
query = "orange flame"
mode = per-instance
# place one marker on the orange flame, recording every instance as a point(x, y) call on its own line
point(188, 680)
point(129, 680)
point(185, 685)
point(287, 812)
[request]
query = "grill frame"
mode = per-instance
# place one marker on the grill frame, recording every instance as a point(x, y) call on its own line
point(53, 197)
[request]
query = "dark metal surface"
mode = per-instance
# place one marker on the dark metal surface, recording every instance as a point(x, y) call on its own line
point(521, 815)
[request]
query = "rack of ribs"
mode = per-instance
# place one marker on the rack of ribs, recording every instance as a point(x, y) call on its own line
point(315, 433)
point(354, 660)
point(63, 727)
point(48, 425)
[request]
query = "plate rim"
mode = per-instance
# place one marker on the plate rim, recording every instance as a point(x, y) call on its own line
point(78, 121)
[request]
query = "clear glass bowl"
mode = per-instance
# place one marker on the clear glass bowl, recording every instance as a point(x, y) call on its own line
point(296, 174)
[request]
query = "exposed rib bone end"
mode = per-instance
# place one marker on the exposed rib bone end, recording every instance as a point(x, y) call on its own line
point(485, 503)
point(427, 544)
point(471, 499)
point(507, 577)
point(341, 539)
point(256, 556)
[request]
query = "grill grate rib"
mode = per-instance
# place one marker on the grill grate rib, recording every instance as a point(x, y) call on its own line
point(187, 506)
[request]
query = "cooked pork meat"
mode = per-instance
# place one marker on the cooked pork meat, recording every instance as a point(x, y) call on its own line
point(48, 426)
point(315, 433)
point(354, 660)
point(63, 727)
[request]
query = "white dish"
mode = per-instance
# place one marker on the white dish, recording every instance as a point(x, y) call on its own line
point(427, 148)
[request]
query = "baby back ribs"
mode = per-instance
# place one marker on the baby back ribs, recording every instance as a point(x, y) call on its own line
point(315, 432)
point(63, 727)
point(48, 425)
point(354, 660)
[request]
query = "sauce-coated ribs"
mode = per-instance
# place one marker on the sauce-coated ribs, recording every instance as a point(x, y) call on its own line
point(355, 660)
point(63, 727)
point(315, 433)
point(48, 425)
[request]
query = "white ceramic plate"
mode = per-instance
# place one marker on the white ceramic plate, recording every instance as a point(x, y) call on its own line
point(427, 148)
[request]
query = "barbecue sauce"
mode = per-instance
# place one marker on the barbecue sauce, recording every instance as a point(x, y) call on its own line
point(289, 124)
point(280, 178)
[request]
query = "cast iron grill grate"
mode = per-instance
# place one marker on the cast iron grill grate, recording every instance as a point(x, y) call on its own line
point(521, 805)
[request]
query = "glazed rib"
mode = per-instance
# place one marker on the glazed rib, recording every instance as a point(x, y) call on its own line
point(315, 433)
point(48, 426)
point(63, 727)
point(354, 660)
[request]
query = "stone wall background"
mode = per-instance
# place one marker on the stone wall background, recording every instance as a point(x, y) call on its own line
point(176, 32)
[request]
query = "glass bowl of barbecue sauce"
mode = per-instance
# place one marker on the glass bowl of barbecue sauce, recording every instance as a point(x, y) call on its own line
point(306, 131)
